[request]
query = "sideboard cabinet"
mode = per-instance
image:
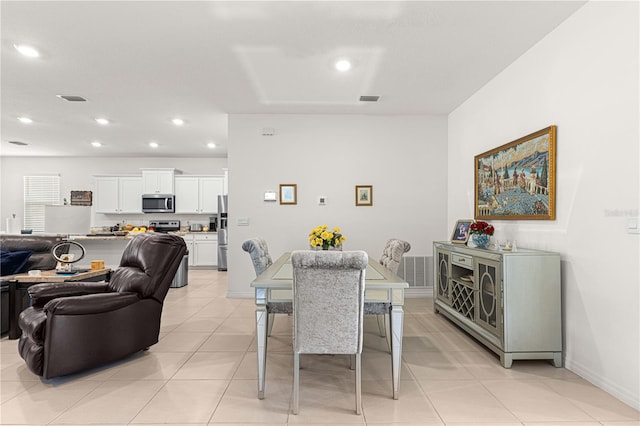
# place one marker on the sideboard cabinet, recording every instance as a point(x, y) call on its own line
point(509, 301)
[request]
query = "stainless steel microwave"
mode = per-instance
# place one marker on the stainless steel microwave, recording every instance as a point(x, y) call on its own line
point(158, 203)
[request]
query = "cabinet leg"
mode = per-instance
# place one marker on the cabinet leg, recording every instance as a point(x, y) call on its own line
point(557, 359)
point(506, 360)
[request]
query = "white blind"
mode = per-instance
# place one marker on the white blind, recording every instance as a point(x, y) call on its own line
point(38, 192)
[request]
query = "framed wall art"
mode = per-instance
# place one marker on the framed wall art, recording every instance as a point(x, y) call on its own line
point(364, 195)
point(81, 198)
point(518, 180)
point(288, 193)
point(460, 232)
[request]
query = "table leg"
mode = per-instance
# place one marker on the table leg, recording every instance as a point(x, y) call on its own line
point(14, 311)
point(261, 343)
point(396, 319)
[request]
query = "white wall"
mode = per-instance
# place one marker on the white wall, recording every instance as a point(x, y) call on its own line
point(328, 155)
point(76, 174)
point(583, 77)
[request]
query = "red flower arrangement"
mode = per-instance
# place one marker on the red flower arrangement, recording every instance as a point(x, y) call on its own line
point(481, 227)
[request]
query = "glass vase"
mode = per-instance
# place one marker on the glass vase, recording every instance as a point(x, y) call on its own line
point(480, 240)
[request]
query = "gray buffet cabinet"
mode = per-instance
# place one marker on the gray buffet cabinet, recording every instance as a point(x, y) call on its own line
point(509, 301)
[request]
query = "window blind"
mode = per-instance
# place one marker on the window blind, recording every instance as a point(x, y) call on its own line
point(38, 192)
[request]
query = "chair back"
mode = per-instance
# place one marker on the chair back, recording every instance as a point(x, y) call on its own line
point(392, 254)
point(328, 301)
point(149, 263)
point(259, 252)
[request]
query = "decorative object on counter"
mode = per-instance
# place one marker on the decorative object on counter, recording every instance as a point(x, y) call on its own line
point(364, 195)
point(288, 193)
point(460, 232)
point(96, 265)
point(481, 232)
point(321, 237)
point(81, 198)
point(62, 253)
point(517, 180)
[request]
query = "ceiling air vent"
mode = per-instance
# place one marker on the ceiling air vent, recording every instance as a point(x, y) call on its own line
point(72, 98)
point(19, 143)
point(369, 98)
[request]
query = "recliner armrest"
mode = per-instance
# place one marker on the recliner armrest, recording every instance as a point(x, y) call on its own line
point(42, 293)
point(90, 304)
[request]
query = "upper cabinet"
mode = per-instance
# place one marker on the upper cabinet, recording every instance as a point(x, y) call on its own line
point(158, 181)
point(198, 194)
point(118, 194)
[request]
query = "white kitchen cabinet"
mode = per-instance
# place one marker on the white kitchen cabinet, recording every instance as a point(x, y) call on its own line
point(118, 194)
point(203, 248)
point(158, 181)
point(188, 240)
point(198, 194)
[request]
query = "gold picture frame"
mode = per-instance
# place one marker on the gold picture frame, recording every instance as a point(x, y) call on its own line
point(518, 180)
point(460, 234)
point(364, 195)
point(288, 193)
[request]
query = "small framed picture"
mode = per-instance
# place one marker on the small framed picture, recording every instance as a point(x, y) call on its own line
point(81, 198)
point(288, 193)
point(364, 195)
point(460, 233)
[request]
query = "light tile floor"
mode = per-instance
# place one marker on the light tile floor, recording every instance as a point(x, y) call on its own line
point(203, 371)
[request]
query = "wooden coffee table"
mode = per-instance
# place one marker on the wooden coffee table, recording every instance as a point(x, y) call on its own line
point(18, 294)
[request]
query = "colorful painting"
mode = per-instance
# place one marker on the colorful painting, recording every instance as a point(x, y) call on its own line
point(517, 180)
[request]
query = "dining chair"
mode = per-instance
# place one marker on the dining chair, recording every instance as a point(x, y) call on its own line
point(261, 259)
point(328, 307)
point(391, 257)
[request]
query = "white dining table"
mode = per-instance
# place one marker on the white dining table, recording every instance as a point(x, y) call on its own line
point(383, 289)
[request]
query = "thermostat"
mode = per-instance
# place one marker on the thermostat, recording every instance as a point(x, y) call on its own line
point(270, 196)
point(322, 200)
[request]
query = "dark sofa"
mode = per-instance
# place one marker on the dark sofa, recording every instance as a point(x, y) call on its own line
point(40, 258)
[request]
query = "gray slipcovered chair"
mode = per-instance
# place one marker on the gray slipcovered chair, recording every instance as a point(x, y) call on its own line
point(73, 326)
point(390, 259)
point(328, 308)
point(261, 259)
point(392, 254)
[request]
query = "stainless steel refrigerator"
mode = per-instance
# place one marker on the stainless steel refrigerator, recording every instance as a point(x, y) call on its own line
point(223, 242)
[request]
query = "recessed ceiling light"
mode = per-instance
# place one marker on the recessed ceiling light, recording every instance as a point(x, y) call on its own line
point(211, 145)
point(153, 144)
point(178, 121)
point(343, 65)
point(96, 144)
point(25, 120)
point(19, 143)
point(27, 50)
point(102, 121)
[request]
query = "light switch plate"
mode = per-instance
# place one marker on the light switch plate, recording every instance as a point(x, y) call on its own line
point(243, 221)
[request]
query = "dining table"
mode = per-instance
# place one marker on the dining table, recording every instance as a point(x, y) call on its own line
point(384, 294)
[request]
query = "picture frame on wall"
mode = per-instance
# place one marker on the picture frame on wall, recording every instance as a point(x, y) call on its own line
point(288, 193)
point(81, 198)
point(364, 195)
point(517, 180)
point(460, 234)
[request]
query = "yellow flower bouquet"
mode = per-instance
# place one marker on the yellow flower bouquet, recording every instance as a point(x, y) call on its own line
point(320, 236)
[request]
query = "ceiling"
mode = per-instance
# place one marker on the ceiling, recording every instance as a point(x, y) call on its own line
point(142, 63)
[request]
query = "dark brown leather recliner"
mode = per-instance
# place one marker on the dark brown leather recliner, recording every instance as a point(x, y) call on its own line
point(73, 326)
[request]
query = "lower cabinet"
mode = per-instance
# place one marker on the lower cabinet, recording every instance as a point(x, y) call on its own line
point(203, 249)
point(509, 301)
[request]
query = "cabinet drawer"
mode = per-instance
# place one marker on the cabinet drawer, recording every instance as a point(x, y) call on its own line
point(205, 237)
point(462, 260)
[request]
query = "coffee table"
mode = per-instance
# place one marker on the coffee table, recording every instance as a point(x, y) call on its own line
point(18, 285)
